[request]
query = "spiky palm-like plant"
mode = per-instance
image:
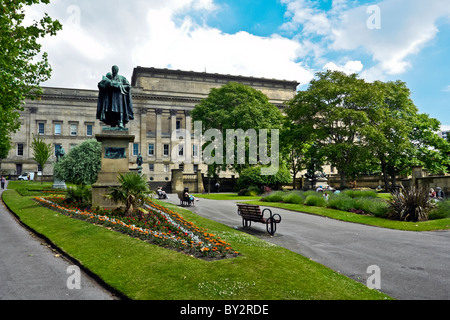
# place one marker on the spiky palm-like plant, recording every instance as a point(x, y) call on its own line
point(413, 204)
point(132, 192)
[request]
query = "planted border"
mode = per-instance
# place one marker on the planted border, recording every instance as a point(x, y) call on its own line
point(160, 226)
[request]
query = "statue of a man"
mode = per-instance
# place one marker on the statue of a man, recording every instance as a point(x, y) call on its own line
point(60, 153)
point(115, 107)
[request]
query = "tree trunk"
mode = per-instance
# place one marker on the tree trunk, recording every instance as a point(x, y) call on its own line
point(343, 182)
point(385, 175)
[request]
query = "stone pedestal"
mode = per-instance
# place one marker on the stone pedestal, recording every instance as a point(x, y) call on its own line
point(115, 153)
point(57, 184)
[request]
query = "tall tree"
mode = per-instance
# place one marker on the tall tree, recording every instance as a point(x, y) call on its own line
point(41, 152)
point(294, 148)
point(21, 69)
point(402, 137)
point(336, 111)
point(233, 107)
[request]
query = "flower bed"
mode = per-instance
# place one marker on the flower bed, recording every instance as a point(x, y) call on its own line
point(160, 226)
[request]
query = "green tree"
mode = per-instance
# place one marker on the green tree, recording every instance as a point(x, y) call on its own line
point(41, 152)
point(21, 69)
point(252, 176)
point(133, 191)
point(294, 148)
point(335, 111)
point(235, 106)
point(401, 137)
point(81, 165)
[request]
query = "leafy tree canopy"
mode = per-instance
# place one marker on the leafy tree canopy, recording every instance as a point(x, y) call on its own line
point(21, 68)
point(235, 106)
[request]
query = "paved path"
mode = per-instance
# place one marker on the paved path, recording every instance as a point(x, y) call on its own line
point(413, 265)
point(30, 270)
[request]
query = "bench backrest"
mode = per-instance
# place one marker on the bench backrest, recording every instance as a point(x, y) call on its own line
point(249, 209)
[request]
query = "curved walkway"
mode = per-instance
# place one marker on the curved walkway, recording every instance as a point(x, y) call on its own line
point(413, 265)
point(30, 270)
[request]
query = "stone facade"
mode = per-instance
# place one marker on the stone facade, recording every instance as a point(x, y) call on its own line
point(162, 101)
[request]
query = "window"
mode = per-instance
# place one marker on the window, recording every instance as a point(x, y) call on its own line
point(195, 150)
point(58, 129)
point(89, 130)
point(20, 149)
point(135, 149)
point(151, 149)
point(178, 124)
point(195, 167)
point(151, 167)
point(166, 150)
point(41, 128)
point(73, 129)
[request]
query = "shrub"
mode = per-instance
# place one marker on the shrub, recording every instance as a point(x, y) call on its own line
point(315, 200)
point(371, 205)
point(293, 197)
point(360, 193)
point(252, 191)
point(82, 164)
point(275, 196)
point(252, 177)
point(441, 211)
point(410, 205)
point(341, 202)
point(79, 193)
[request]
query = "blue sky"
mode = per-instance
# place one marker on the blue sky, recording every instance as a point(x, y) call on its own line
point(406, 40)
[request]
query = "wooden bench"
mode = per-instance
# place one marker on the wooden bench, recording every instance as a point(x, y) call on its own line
point(251, 212)
point(183, 200)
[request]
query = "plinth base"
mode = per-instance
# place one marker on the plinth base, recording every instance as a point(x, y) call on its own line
point(114, 160)
point(59, 185)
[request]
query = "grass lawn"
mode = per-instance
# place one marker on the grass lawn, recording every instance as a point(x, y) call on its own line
point(144, 271)
point(441, 224)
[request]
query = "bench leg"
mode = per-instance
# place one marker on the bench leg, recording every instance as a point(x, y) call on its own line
point(271, 226)
point(246, 223)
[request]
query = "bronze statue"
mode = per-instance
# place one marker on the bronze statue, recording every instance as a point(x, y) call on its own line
point(60, 153)
point(115, 106)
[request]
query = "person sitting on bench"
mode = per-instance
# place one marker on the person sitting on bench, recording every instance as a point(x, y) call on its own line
point(189, 196)
point(161, 193)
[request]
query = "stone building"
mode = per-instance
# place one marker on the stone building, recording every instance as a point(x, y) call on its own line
point(162, 101)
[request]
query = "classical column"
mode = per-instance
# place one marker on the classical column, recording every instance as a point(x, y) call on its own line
point(173, 120)
point(143, 135)
point(158, 147)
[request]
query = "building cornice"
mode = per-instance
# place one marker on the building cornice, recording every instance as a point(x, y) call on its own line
point(211, 77)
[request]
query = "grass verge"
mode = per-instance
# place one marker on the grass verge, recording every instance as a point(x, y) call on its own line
point(144, 271)
point(432, 225)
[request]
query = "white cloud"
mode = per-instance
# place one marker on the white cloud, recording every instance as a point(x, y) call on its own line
point(193, 47)
point(349, 68)
point(159, 34)
point(407, 26)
